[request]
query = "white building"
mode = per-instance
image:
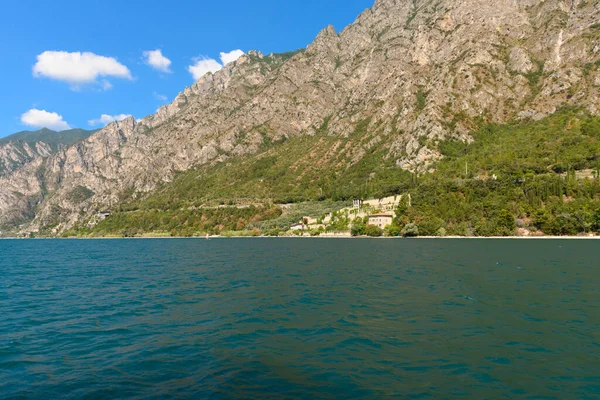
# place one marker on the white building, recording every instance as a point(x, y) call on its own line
point(297, 227)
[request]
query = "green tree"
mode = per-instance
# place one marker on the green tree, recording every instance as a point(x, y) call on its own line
point(596, 220)
point(402, 206)
point(373, 231)
point(506, 223)
point(410, 230)
point(358, 227)
point(541, 218)
point(591, 127)
point(430, 225)
point(393, 230)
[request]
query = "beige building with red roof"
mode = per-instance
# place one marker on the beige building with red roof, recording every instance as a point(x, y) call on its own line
point(381, 220)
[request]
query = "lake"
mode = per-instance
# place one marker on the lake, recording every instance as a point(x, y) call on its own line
point(300, 318)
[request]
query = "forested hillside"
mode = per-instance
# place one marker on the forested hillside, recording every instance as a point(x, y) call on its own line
point(539, 176)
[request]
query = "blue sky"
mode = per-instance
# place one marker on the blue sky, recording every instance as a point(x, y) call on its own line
point(68, 62)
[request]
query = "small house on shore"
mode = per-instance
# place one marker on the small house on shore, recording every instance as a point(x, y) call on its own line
point(297, 227)
point(381, 220)
point(97, 218)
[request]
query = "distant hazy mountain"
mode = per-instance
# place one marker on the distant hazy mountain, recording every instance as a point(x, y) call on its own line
point(52, 138)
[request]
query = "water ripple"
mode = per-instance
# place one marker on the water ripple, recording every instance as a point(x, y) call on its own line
point(290, 319)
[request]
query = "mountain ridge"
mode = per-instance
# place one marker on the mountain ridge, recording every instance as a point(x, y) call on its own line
point(404, 76)
point(65, 137)
point(23, 147)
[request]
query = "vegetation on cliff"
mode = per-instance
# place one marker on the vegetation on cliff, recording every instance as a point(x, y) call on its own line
point(540, 176)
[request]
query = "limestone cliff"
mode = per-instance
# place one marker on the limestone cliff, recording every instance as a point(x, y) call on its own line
point(21, 154)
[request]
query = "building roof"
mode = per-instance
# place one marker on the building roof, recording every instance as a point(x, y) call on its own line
point(381, 215)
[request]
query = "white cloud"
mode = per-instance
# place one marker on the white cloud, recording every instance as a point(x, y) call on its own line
point(44, 119)
point(232, 56)
point(106, 85)
point(160, 97)
point(79, 68)
point(156, 60)
point(203, 66)
point(106, 119)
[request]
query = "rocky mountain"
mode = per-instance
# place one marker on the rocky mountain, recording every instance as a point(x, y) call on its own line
point(403, 77)
point(26, 150)
point(23, 147)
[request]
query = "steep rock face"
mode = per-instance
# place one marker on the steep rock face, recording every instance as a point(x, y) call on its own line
point(14, 155)
point(20, 148)
point(20, 192)
point(414, 72)
point(21, 157)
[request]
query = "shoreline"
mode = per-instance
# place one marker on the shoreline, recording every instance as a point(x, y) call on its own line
point(318, 237)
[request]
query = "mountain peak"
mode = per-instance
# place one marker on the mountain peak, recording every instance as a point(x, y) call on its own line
point(324, 40)
point(404, 77)
point(328, 31)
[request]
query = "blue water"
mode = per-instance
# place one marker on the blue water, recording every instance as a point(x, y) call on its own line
point(300, 318)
